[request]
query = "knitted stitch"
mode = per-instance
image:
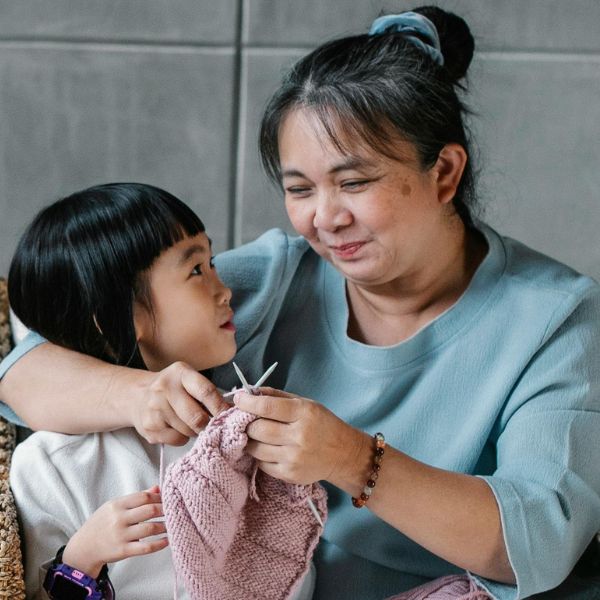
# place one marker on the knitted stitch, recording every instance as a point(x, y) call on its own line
point(235, 532)
point(451, 587)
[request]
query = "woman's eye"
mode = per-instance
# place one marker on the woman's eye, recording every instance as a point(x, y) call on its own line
point(197, 270)
point(355, 184)
point(298, 190)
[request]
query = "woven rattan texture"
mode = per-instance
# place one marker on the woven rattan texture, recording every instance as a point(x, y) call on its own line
point(12, 586)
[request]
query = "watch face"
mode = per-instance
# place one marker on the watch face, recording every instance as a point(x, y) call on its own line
point(65, 588)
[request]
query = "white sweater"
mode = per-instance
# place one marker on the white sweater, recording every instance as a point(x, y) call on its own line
point(59, 480)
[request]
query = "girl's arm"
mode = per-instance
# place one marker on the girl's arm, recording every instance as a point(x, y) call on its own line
point(56, 389)
point(117, 530)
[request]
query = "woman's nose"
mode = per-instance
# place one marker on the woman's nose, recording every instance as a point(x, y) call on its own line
point(331, 214)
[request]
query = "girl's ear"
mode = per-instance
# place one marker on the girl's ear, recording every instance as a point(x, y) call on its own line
point(142, 322)
point(448, 170)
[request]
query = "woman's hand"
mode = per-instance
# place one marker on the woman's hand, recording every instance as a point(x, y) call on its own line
point(117, 530)
point(175, 404)
point(298, 440)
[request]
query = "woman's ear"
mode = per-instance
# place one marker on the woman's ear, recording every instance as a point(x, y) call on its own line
point(449, 168)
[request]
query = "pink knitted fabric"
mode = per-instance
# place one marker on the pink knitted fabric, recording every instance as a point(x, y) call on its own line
point(234, 531)
point(451, 587)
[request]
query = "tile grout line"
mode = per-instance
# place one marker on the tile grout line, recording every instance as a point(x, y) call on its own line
point(233, 219)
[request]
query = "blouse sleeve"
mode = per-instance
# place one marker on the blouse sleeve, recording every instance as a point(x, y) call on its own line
point(31, 341)
point(547, 482)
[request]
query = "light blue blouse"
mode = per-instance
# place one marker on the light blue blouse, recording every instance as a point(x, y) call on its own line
point(504, 385)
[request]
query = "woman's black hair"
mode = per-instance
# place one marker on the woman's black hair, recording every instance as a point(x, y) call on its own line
point(80, 264)
point(378, 89)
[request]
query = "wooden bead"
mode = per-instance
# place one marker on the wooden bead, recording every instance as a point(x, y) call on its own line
point(358, 502)
point(377, 458)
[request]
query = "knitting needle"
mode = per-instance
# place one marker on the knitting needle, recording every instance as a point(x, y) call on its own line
point(265, 375)
point(245, 385)
point(257, 384)
point(250, 390)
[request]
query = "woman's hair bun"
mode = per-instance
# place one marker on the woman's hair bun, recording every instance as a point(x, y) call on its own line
point(456, 41)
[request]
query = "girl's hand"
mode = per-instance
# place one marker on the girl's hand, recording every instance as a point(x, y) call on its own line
point(117, 531)
point(175, 404)
point(298, 440)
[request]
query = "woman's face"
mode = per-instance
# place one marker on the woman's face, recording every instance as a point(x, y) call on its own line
point(375, 219)
point(190, 319)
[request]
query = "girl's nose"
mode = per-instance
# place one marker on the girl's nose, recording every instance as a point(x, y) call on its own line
point(224, 293)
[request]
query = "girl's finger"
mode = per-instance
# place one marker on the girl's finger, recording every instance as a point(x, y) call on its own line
point(138, 548)
point(149, 496)
point(143, 530)
point(285, 410)
point(143, 513)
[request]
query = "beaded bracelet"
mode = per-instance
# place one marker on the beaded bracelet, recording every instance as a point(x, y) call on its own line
point(377, 459)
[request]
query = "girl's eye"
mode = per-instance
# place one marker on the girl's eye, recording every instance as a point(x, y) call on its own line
point(212, 262)
point(197, 270)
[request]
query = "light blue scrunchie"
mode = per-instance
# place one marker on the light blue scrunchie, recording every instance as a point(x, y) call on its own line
point(410, 23)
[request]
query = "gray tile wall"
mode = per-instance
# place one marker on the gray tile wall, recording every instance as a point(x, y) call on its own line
point(170, 92)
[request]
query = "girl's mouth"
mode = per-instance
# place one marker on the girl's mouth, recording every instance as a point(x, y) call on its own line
point(229, 326)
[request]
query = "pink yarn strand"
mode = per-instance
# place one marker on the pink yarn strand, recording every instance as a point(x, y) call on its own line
point(451, 587)
point(161, 478)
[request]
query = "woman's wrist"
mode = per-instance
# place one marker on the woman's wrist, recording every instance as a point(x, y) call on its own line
point(357, 457)
point(134, 384)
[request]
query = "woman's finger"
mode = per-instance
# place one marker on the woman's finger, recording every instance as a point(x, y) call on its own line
point(269, 432)
point(264, 452)
point(269, 391)
point(176, 423)
point(202, 391)
point(286, 410)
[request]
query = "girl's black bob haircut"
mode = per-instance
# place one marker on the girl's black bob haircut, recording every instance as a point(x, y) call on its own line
point(80, 265)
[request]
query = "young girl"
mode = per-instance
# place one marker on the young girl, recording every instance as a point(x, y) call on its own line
point(122, 272)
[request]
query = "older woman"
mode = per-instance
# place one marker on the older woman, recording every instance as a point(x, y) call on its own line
point(442, 378)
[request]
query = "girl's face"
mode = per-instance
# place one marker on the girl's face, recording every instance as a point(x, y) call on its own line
point(190, 319)
point(374, 218)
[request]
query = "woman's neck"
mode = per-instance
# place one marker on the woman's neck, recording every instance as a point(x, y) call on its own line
point(388, 314)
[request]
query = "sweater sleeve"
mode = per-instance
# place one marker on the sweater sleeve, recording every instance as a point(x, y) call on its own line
point(547, 482)
point(45, 508)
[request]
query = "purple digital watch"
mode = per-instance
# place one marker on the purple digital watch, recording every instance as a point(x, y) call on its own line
point(63, 582)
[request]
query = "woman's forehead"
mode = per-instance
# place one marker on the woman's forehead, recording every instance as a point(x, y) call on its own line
point(344, 140)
